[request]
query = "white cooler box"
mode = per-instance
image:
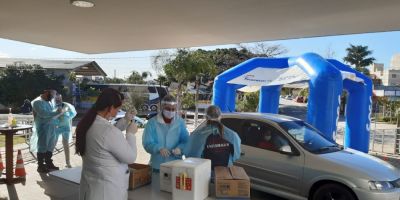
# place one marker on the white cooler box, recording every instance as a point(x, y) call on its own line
point(191, 179)
point(166, 175)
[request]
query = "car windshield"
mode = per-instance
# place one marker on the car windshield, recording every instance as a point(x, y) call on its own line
point(309, 137)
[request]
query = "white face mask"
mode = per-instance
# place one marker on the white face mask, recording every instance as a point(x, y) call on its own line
point(267, 138)
point(168, 114)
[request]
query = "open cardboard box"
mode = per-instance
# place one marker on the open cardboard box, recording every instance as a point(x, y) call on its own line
point(231, 182)
point(139, 175)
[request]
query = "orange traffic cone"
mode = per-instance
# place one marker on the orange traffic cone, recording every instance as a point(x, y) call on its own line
point(1, 165)
point(19, 167)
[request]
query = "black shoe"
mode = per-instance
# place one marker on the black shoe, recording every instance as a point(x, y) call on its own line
point(43, 169)
point(49, 161)
point(52, 167)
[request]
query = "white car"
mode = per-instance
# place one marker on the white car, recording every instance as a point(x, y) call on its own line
point(287, 157)
point(139, 121)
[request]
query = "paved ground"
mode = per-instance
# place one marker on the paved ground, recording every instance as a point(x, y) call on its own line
point(41, 187)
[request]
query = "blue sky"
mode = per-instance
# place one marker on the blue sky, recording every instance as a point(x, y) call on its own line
point(384, 45)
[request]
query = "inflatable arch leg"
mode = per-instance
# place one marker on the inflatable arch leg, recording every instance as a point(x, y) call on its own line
point(269, 99)
point(357, 114)
point(225, 98)
point(358, 109)
point(325, 89)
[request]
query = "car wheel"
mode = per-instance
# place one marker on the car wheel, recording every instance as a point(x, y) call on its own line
point(145, 107)
point(333, 192)
point(153, 107)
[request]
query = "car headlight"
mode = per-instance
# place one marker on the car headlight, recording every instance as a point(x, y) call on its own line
point(380, 185)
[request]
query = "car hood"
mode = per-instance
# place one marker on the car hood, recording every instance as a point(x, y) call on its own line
point(355, 162)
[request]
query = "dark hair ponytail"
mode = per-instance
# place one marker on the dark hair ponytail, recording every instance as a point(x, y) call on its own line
point(108, 97)
point(218, 124)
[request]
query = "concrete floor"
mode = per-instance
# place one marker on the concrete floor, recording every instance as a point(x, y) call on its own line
point(42, 187)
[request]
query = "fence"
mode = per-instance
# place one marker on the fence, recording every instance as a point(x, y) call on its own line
point(381, 140)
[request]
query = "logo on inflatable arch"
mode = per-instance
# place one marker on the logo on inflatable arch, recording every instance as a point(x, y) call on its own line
point(250, 77)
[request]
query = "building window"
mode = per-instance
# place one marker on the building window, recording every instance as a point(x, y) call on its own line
point(393, 75)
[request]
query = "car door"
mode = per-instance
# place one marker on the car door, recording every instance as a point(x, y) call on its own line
point(265, 163)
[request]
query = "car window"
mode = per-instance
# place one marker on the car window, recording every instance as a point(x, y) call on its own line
point(152, 89)
point(309, 137)
point(234, 124)
point(262, 135)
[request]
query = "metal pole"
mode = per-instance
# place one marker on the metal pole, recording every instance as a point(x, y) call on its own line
point(373, 140)
point(383, 139)
point(196, 99)
point(397, 136)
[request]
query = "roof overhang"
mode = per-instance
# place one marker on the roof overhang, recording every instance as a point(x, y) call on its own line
point(81, 68)
point(124, 25)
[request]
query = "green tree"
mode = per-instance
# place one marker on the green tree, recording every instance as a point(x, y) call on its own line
point(358, 56)
point(249, 102)
point(186, 66)
point(114, 80)
point(146, 75)
point(162, 80)
point(136, 78)
point(19, 82)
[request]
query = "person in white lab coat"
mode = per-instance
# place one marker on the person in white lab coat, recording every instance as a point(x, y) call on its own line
point(105, 151)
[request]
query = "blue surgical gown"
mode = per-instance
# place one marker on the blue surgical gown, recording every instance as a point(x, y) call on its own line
point(197, 140)
point(157, 135)
point(64, 122)
point(44, 126)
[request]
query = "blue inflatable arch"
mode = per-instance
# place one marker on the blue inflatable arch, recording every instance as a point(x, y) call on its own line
point(325, 84)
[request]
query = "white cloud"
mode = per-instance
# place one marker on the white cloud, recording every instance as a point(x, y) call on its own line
point(36, 47)
point(4, 55)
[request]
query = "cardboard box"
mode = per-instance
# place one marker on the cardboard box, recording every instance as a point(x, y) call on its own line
point(231, 182)
point(191, 179)
point(139, 175)
point(166, 175)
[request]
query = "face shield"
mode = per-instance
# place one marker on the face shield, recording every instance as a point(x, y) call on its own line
point(168, 109)
point(58, 100)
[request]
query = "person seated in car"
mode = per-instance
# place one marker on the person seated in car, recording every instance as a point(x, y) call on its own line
point(266, 141)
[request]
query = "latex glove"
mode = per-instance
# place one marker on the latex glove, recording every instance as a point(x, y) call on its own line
point(59, 110)
point(132, 128)
point(164, 152)
point(176, 151)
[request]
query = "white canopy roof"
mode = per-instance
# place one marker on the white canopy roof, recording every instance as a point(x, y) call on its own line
point(123, 25)
point(260, 76)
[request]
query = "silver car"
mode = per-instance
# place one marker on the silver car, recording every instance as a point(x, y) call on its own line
point(287, 157)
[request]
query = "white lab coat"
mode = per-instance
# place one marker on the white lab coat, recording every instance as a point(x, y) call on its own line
point(105, 172)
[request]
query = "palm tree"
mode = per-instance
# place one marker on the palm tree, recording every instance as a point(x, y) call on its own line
point(358, 56)
point(146, 74)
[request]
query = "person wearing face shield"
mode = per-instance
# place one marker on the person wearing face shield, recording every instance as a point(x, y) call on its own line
point(214, 141)
point(165, 135)
point(43, 136)
point(64, 126)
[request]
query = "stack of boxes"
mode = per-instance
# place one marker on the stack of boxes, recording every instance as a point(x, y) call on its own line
point(189, 180)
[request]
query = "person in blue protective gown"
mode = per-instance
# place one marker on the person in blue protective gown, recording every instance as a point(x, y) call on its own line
point(43, 136)
point(214, 141)
point(165, 135)
point(64, 126)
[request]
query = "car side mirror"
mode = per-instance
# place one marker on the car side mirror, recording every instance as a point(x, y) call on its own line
point(286, 149)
